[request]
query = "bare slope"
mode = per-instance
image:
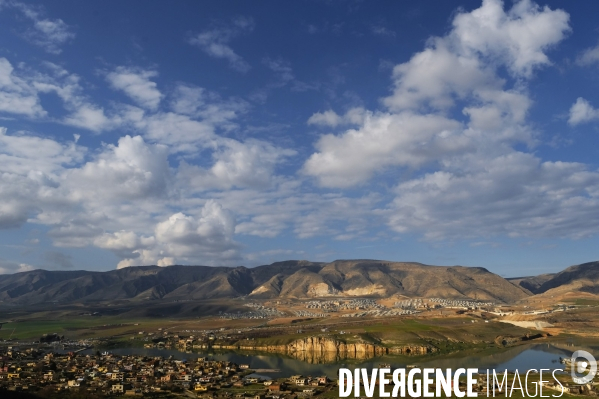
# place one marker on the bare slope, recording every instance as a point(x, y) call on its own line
point(289, 279)
point(383, 279)
point(578, 278)
point(532, 283)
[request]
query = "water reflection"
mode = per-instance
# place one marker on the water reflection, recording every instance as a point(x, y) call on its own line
point(535, 356)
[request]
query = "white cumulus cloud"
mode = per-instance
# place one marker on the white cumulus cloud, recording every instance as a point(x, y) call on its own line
point(137, 85)
point(206, 237)
point(581, 112)
point(459, 67)
point(17, 96)
point(511, 195)
point(384, 140)
point(7, 267)
point(130, 170)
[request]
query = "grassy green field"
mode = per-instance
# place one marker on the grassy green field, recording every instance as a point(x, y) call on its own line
point(88, 327)
point(80, 328)
point(446, 334)
point(586, 302)
point(452, 331)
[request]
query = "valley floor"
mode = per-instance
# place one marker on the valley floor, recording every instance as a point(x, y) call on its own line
point(272, 325)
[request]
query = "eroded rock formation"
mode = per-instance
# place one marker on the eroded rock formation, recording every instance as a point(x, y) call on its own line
point(316, 350)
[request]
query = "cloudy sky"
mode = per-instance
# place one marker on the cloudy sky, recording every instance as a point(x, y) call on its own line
point(143, 133)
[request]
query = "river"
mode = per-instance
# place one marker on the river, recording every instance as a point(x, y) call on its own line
point(523, 357)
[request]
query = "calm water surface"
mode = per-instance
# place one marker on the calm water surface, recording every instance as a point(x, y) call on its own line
point(535, 356)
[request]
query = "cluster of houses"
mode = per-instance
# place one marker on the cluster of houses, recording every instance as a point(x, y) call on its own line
point(366, 307)
point(306, 313)
point(461, 303)
point(260, 312)
point(32, 370)
point(106, 374)
point(416, 303)
point(382, 313)
point(352, 304)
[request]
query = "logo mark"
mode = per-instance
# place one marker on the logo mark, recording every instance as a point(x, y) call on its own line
point(579, 367)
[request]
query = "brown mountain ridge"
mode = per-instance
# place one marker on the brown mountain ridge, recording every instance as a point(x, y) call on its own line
point(289, 279)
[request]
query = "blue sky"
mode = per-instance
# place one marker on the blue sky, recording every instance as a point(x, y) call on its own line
point(140, 133)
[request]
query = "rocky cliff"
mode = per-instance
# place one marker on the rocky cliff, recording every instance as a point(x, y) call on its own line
point(317, 350)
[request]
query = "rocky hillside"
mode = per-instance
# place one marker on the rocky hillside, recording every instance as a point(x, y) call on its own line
point(290, 279)
point(571, 282)
point(381, 279)
point(578, 278)
point(532, 283)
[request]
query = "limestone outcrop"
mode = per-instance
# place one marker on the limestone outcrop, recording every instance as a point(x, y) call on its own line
point(318, 350)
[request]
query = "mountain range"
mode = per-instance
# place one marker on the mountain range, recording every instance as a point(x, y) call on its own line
point(578, 278)
point(288, 279)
